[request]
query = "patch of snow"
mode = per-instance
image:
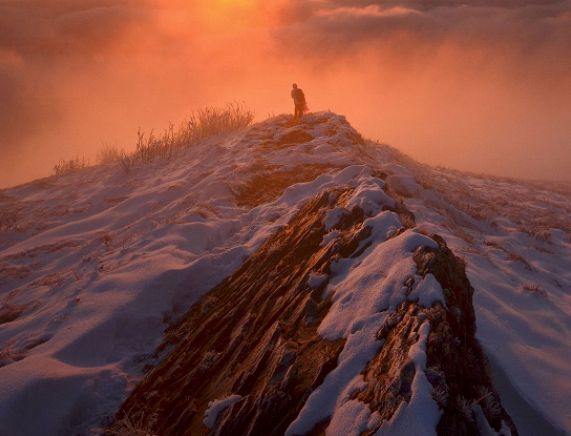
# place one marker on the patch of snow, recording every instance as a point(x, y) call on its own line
point(330, 236)
point(332, 217)
point(350, 419)
point(428, 292)
point(216, 407)
point(315, 280)
point(404, 184)
point(370, 197)
point(376, 284)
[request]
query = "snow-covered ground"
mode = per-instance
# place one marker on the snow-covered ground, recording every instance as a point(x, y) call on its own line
point(94, 265)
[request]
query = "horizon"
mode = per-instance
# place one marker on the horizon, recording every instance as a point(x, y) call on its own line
point(482, 87)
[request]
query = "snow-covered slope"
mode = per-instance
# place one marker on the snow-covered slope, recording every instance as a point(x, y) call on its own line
point(518, 255)
point(95, 265)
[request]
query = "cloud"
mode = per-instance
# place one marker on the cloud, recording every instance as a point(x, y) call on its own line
point(47, 47)
point(20, 114)
point(34, 28)
point(340, 26)
point(39, 39)
point(367, 11)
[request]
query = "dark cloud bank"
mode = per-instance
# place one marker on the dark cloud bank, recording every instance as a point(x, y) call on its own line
point(440, 79)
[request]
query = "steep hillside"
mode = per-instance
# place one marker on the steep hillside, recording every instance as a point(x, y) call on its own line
point(299, 273)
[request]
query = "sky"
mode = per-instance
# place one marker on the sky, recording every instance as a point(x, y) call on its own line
point(483, 86)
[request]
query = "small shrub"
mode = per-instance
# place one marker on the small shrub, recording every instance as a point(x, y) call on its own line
point(464, 406)
point(69, 166)
point(519, 258)
point(534, 289)
point(139, 425)
point(441, 395)
point(212, 121)
point(538, 232)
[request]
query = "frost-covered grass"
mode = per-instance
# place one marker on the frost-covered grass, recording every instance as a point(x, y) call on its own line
point(133, 426)
point(198, 126)
point(533, 207)
point(202, 124)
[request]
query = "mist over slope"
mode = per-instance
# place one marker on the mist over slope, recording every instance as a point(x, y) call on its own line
point(97, 264)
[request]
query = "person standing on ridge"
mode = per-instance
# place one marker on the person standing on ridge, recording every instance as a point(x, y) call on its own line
point(299, 102)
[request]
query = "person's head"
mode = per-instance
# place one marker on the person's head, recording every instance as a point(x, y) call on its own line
point(295, 86)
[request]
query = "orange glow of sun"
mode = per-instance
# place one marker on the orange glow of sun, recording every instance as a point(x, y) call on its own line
point(231, 12)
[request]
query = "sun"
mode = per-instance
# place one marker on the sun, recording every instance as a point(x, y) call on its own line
point(231, 13)
point(202, 17)
point(232, 5)
point(235, 3)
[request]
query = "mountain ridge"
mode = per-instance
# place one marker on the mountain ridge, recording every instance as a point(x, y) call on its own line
point(99, 262)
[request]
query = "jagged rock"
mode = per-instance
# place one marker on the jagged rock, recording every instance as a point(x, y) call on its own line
point(456, 366)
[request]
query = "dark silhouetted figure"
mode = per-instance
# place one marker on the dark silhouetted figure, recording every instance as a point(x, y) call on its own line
point(299, 101)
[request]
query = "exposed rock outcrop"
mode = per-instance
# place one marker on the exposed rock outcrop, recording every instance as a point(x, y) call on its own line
point(254, 335)
point(456, 366)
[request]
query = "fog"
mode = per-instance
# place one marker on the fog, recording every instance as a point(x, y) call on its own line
point(482, 86)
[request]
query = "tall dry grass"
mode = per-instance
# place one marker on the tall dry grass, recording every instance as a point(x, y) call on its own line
point(109, 154)
point(200, 125)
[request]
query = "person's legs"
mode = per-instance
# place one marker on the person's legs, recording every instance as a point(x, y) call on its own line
point(298, 111)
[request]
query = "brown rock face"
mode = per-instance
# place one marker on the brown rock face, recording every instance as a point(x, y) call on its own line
point(255, 336)
point(457, 367)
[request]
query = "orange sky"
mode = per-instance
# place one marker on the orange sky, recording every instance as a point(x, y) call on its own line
point(472, 86)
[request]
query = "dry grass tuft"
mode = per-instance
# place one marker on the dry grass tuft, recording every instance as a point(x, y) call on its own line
point(534, 289)
point(109, 154)
point(70, 166)
point(132, 426)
